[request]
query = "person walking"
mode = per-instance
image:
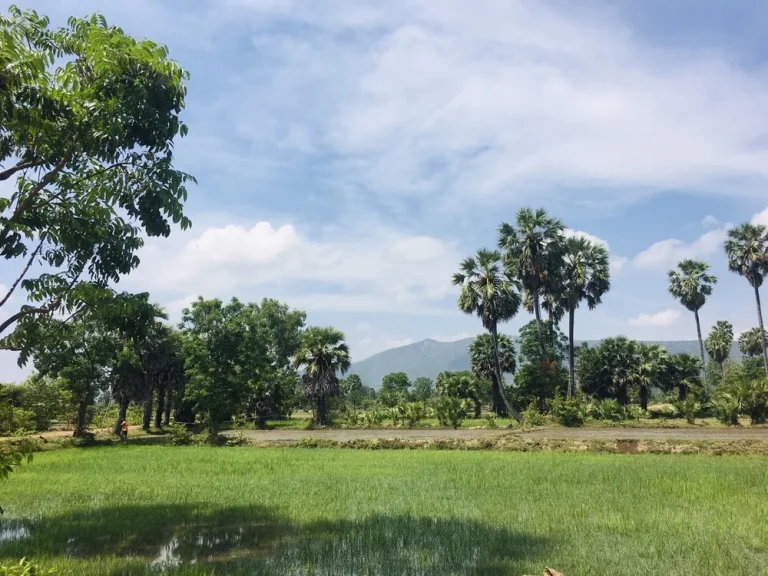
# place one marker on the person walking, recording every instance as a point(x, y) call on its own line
point(123, 431)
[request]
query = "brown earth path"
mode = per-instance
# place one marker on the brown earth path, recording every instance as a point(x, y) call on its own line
point(720, 434)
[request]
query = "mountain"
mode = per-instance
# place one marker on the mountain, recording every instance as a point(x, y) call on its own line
point(429, 358)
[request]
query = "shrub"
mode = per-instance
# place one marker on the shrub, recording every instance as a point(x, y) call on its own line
point(567, 411)
point(413, 412)
point(610, 410)
point(180, 436)
point(491, 420)
point(726, 409)
point(451, 411)
point(395, 413)
point(24, 568)
point(372, 417)
point(754, 399)
point(688, 408)
point(532, 416)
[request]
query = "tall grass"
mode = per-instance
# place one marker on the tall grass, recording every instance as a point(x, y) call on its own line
point(143, 510)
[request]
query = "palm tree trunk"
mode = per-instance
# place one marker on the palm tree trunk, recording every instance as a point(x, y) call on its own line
point(644, 397)
point(571, 353)
point(122, 411)
point(499, 377)
point(762, 330)
point(537, 313)
point(147, 419)
point(320, 410)
point(160, 406)
point(701, 345)
point(498, 404)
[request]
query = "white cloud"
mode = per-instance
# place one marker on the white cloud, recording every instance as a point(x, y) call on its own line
point(659, 319)
point(617, 262)
point(365, 268)
point(667, 253)
point(363, 326)
point(709, 221)
point(761, 218)
point(444, 96)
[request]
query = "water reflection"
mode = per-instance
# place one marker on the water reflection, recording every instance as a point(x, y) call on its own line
point(210, 544)
point(12, 531)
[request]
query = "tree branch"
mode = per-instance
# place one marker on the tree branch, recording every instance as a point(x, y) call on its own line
point(20, 314)
point(23, 272)
point(5, 174)
point(25, 205)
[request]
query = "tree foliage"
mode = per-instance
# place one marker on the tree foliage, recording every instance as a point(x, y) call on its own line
point(88, 118)
point(720, 341)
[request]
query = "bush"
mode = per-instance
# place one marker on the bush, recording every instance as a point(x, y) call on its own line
point(567, 411)
point(24, 568)
point(755, 400)
point(532, 416)
point(491, 419)
point(180, 436)
point(688, 408)
point(611, 411)
point(451, 411)
point(726, 409)
point(373, 417)
point(413, 412)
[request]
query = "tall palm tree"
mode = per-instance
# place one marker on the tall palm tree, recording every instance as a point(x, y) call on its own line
point(747, 251)
point(651, 361)
point(489, 291)
point(323, 354)
point(691, 284)
point(720, 342)
point(483, 363)
point(585, 275)
point(533, 248)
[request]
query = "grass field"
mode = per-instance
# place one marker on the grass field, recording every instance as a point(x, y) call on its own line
point(194, 510)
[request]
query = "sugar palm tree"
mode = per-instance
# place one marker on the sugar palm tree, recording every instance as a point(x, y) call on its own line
point(691, 283)
point(651, 361)
point(483, 363)
point(585, 276)
point(533, 249)
point(751, 342)
point(489, 291)
point(747, 251)
point(323, 354)
point(685, 370)
point(719, 342)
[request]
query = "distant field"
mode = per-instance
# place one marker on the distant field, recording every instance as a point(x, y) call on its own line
point(154, 509)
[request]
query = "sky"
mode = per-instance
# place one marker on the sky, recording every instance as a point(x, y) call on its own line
point(350, 153)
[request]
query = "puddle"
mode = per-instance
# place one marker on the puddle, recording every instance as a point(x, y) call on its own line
point(12, 531)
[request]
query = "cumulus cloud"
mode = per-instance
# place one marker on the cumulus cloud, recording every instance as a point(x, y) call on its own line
point(617, 262)
point(667, 253)
point(761, 218)
point(709, 221)
point(663, 318)
point(353, 270)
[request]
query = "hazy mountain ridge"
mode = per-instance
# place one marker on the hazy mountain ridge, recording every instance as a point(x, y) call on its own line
point(429, 358)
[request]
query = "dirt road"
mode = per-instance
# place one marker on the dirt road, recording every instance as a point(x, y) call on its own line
point(553, 433)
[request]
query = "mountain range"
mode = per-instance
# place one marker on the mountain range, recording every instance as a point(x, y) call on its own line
point(430, 357)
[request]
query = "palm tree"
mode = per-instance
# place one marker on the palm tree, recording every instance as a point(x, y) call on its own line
point(483, 363)
point(719, 342)
point(650, 364)
point(585, 275)
point(751, 342)
point(323, 354)
point(691, 284)
point(533, 249)
point(685, 370)
point(489, 291)
point(747, 251)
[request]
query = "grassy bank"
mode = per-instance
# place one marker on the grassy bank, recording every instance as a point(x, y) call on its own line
point(140, 510)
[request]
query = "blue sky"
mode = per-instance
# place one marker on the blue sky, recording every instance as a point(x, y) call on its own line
point(350, 153)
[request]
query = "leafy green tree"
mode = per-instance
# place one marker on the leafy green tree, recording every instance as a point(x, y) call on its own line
point(751, 342)
point(648, 369)
point(423, 388)
point(533, 250)
point(88, 118)
point(464, 385)
point(216, 345)
point(541, 374)
point(351, 389)
point(489, 292)
point(684, 373)
point(394, 388)
point(719, 342)
point(585, 276)
point(747, 251)
point(483, 363)
point(323, 354)
point(46, 398)
point(691, 283)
